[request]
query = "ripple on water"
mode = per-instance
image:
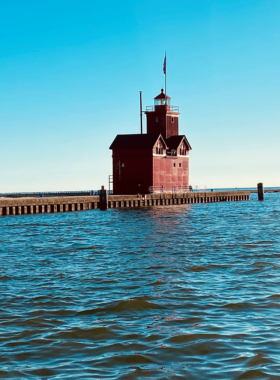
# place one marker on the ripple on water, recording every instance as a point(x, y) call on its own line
point(188, 292)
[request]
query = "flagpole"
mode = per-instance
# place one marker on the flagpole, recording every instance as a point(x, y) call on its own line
point(165, 82)
point(165, 96)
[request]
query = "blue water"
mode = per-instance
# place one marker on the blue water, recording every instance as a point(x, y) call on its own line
point(173, 292)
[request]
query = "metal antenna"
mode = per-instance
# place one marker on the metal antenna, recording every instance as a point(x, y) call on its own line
point(141, 121)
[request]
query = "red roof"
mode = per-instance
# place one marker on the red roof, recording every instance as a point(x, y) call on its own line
point(136, 141)
point(162, 95)
point(173, 142)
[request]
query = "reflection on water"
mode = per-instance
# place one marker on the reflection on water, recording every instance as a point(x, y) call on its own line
point(188, 292)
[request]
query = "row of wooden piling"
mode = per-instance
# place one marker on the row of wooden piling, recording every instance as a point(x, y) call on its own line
point(41, 209)
point(23, 206)
point(174, 199)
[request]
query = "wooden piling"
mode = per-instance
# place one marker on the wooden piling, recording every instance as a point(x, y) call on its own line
point(103, 201)
point(260, 192)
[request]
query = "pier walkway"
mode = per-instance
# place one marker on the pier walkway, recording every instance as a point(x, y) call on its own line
point(35, 205)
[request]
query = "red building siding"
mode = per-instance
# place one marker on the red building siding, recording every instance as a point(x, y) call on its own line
point(168, 175)
point(132, 171)
point(172, 125)
point(165, 124)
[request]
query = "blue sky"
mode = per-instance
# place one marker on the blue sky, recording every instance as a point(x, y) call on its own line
point(71, 72)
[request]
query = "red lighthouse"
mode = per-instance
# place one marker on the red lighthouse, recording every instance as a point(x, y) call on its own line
point(156, 161)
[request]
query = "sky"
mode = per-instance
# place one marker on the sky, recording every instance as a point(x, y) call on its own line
point(71, 72)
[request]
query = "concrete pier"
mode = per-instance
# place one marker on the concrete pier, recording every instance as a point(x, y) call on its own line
point(29, 205)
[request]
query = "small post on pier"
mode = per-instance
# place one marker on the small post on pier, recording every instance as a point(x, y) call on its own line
point(260, 192)
point(103, 199)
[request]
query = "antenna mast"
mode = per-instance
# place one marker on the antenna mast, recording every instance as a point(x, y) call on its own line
point(141, 121)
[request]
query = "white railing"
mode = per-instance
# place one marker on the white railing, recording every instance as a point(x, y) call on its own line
point(168, 107)
point(177, 189)
point(170, 189)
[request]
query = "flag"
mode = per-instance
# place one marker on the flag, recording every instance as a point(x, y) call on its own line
point(164, 65)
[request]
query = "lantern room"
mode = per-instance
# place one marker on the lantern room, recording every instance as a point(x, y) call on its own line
point(161, 100)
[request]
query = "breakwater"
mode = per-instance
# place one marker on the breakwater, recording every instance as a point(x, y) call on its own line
point(34, 205)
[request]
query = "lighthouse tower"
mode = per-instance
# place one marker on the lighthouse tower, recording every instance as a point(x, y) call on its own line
point(163, 117)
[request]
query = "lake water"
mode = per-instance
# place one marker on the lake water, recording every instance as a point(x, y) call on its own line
point(175, 292)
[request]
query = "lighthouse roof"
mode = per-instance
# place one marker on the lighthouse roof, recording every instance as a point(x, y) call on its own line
point(136, 141)
point(173, 142)
point(162, 95)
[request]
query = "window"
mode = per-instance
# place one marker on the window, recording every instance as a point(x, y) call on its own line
point(183, 150)
point(180, 165)
point(174, 164)
point(156, 119)
point(159, 148)
point(172, 119)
